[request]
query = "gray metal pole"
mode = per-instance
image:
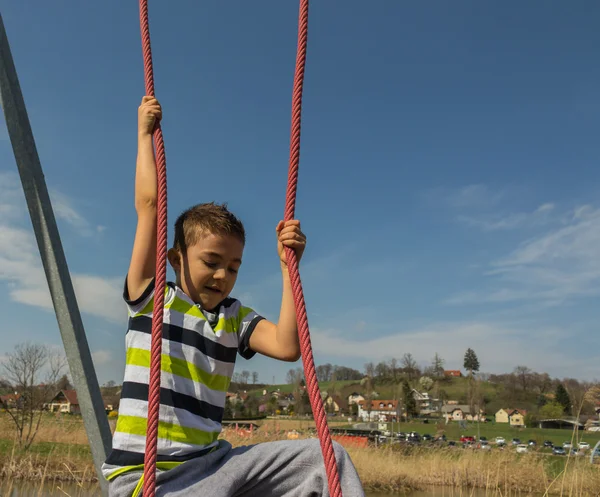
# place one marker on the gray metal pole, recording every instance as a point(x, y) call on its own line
point(53, 259)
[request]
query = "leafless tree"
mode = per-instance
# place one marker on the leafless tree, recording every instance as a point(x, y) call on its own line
point(25, 368)
point(394, 369)
point(524, 375)
point(410, 366)
point(245, 376)
point(254, 377)
point(437, 366)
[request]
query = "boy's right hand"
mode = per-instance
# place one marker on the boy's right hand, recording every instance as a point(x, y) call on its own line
point(149, 113)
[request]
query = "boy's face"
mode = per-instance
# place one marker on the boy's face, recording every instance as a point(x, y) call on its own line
point(207, 272)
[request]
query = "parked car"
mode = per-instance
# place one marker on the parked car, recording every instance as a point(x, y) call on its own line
point(532, 443)
point(401, 435)
point(483, 439)
point(441, 438)
point(583, 445)
point(427, 437)
point(500, 441)
point(465, 439)
point(567, 445)
point(558, 451)
point(451, 443)
point(484, 444)
point(548, 443)
point(522, 448)
point(516, 441)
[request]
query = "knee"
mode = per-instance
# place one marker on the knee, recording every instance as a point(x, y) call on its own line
point(340, 452)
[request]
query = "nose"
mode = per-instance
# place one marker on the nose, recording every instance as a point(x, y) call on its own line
point(219, 274)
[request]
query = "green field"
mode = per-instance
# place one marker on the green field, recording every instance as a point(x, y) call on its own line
point(491, 431)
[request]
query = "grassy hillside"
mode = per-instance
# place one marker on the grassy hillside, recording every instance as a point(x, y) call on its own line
point(456, 389)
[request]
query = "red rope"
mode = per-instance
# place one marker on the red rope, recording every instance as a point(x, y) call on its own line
point(161, 272)
point(161, 268)
point(314, 393)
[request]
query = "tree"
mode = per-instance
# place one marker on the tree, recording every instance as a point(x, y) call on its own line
point(471, 362)
point(523, 373)
point(562, 398)
point(227, 411)
point(382, 371)
point(245, 377)
point(294, 376)
point(369, 393)
point(425, 382)
point(437, 366)
point(552, 410)
point(394, 369)
point(410, 404)
point(254, 377)
point(64, 383)
point(410, 366)
point(25, 368)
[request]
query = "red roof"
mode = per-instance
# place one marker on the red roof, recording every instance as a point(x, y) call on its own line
point(452, 372)
point(512, 411)
point(10, 397)
point(381, 405)
point(71, 396)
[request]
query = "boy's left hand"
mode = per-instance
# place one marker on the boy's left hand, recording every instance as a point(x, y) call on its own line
point(290, 235)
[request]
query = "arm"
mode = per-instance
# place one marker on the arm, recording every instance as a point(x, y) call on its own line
point(143, 257)
point(280, 340)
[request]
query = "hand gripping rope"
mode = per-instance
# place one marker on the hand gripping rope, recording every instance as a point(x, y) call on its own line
point(161, 268)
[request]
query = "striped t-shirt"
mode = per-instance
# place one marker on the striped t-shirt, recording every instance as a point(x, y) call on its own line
point(198, 356)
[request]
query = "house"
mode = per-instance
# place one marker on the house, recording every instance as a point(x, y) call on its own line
point(65, 401)
point(515, 417)
point(381, 410)
point(10, 401)
point(592, 424)
point(355, 398)
point(454, 412)
point(336, 404)
point(425, 403)
point(454, 373)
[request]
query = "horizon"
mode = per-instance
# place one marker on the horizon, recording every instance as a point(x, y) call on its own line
point(448, 184)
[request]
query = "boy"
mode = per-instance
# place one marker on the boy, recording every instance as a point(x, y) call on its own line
point(203, 331)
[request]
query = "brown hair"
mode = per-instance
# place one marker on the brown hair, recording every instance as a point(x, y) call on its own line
point(206, 218)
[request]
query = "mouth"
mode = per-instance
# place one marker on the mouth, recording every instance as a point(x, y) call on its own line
point(212, 290)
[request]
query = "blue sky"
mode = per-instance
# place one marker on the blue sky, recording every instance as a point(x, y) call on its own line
point(449, 180)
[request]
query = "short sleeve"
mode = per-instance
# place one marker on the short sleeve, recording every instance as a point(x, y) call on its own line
point(247, 320)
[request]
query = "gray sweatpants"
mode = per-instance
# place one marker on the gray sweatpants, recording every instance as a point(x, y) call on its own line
point(292, 468)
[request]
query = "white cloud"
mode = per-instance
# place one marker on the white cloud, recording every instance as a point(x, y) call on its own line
point(102, 357)
point(539, 217)
point(511, 346)
point(21, 269)
point(559, 264)
point(469, 196)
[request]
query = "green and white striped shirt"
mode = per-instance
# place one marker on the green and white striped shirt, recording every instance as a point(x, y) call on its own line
point(199, 349)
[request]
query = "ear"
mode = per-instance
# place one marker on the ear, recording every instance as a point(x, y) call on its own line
point(175, 260)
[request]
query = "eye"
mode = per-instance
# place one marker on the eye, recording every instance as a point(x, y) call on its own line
point(211, 265)
point(234, 271)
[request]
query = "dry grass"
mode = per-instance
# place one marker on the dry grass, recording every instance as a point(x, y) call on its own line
point(53, 428)
point(497, 473)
